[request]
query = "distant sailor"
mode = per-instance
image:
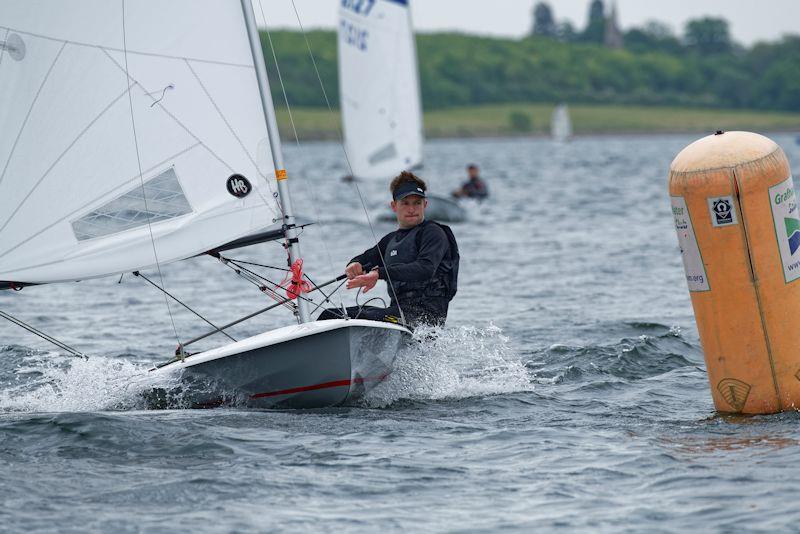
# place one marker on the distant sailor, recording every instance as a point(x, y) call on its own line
point(419, 261)
point(475, 187)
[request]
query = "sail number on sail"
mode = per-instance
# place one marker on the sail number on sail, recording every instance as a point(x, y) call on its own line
point(353, 35)
point(359, 7)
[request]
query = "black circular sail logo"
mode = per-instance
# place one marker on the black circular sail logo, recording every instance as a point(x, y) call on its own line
point(239, 186)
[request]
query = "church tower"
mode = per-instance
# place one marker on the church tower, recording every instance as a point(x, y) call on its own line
point(613, 35)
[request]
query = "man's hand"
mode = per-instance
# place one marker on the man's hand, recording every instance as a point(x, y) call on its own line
point(352, 270)
point(367, 281)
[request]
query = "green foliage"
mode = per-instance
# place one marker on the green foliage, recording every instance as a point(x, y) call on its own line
point(519, 121)
point(595, 29)
point(708, 35)
point(464, 70)
point(543, 21)
point(653, 37)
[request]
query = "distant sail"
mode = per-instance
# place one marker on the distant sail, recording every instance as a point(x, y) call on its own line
point(561, 124)
point(72, 204)
point(379, 87)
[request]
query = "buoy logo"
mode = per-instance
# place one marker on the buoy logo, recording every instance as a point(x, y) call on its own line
point(735, 392)
point(787, 227)
point(722, 212)
point(793, 234)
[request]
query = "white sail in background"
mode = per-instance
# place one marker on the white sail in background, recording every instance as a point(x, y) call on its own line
point(379, 87)
point(72, 203)
point(561, 124)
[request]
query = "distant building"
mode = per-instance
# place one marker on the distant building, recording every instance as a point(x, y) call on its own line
point(613, 35)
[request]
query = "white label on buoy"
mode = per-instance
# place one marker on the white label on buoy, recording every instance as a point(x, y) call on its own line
point(722, 211)
point(787, 227)
point(692, 260)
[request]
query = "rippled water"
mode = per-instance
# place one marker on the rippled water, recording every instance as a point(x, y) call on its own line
point(568, 389)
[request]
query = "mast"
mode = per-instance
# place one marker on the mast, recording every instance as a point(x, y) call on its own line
point(275, 145)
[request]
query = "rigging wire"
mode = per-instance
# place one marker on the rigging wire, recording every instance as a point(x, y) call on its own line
point(243, 262)
point(256, 279)
point(46, 337)
point(173, 297)
point(141, 176)
point(342, 277)
point(309, 190)
point(234, 264)
point(346, 157)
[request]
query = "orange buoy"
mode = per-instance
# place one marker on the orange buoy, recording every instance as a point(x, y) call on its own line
point(736, 215)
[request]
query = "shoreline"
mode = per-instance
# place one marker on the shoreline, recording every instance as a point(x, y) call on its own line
point(533, 121)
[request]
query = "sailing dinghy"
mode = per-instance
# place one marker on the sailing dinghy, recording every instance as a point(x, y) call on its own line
point(132, 129)
point(380, 97)
point(561, 124)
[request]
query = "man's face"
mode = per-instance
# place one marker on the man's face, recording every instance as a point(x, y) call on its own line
point(410, 210)
point(473, 172)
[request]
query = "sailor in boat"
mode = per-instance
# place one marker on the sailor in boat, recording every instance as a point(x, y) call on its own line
point(419, 262)
point(474, 187)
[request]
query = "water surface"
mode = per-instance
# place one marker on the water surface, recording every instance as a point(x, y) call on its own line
point(567, 390)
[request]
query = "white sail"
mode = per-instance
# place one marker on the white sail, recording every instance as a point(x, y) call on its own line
point(379, 87)
point(560, 124)
point(93, 160)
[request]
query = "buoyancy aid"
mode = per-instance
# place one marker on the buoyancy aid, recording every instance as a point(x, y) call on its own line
point(405, 249)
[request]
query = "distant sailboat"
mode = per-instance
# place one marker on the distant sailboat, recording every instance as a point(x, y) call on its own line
point(561, 124)
point(131, 132)
point(380, 96)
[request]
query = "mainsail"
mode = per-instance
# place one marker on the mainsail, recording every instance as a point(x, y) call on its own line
point(379, 87)
point(131, 135)
point(560, 124)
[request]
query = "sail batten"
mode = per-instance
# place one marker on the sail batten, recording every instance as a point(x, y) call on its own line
point(69, 205)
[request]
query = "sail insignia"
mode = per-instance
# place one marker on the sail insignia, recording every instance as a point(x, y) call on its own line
point(160, 199)
point(238, 186)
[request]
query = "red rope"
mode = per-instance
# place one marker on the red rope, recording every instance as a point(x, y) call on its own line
point(294, 283)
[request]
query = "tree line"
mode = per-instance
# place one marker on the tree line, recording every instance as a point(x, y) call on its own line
point(704, 67)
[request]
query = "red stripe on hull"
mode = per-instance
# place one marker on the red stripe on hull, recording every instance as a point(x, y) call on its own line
point(324, 385)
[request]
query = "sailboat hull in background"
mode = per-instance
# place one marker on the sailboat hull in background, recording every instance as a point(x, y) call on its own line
point(445, 210)
point(440, 209)
point(312, 365)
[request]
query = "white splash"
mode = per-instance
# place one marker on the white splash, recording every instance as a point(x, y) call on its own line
point(453, 363)
point(52, 382)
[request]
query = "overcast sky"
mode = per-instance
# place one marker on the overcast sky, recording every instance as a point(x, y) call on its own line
point(750, 20)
